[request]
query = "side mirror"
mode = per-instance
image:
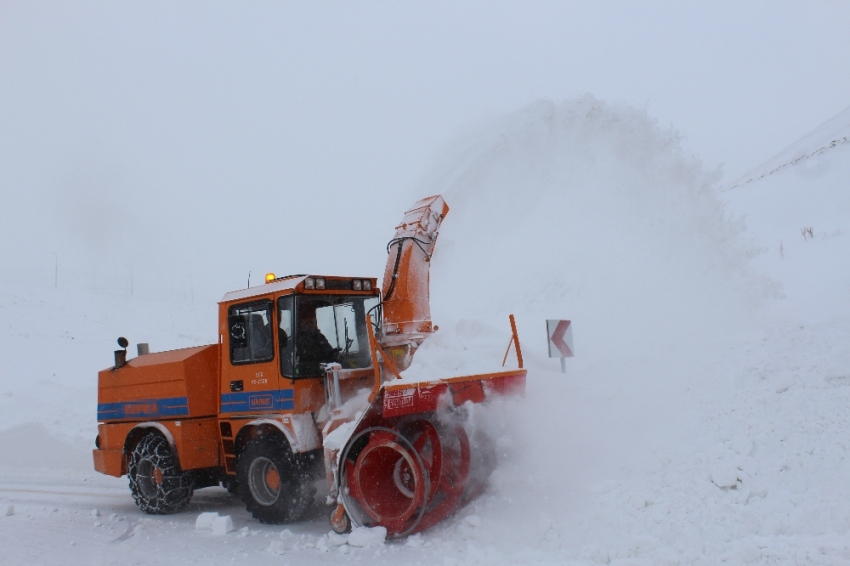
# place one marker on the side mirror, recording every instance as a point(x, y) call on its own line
point(237, 328)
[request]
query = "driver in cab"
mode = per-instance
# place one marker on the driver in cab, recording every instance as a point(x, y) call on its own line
point(313, 347)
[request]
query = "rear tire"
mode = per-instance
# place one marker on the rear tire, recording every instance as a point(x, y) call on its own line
point(271, 483)
point(158, 484)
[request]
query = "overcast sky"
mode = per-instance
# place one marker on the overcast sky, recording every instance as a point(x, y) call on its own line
point(179, 139)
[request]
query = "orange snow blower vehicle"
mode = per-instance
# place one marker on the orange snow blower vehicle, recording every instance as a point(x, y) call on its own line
point(306, 381)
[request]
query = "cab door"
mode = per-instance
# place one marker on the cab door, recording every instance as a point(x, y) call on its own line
point(250, 375)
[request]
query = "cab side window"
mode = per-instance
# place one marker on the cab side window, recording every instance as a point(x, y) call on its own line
point(249, 327)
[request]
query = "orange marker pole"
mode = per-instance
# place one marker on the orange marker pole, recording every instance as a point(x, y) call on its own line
point(516, 341)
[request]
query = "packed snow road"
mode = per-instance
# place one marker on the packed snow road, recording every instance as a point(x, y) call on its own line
point(48, 518)
point(750, 471)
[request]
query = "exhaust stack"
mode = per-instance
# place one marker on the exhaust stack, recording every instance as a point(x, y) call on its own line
point(121, 355)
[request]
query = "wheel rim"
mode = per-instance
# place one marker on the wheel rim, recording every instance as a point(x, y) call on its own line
point(403, 478)
point(264, 481)
point(149, 478)
point(340, 522)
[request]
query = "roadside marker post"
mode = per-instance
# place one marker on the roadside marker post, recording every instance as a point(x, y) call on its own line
point(560, 340)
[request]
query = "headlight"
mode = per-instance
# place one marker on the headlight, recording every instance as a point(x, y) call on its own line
point(367, 284)
point(309, 283)
point(320, 283)
point(357, 285)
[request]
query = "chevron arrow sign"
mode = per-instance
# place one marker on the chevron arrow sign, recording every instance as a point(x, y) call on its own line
point(560, 338)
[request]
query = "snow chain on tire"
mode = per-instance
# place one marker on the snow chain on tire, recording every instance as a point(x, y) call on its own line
point(158, 485)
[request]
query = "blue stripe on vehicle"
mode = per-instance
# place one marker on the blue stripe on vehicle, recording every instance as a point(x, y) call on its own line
point(246, 401)
point(143, 408)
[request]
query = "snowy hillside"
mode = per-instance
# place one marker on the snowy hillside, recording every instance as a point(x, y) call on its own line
point(798, 205)
point(703, 420)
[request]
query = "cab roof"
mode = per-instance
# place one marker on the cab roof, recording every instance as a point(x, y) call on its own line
point(287, 283)
point(280, 284)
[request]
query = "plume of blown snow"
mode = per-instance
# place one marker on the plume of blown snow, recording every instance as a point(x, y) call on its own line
point(592, 212)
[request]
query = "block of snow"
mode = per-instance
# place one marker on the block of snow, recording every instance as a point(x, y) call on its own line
point(10, 510)
point(322, 544)
point(724, 475)
point(336, 539)
point(222, 525)
point(204, 521)
point(366, 537)
point(95, 513)
point(337, 439)
point(276, 547)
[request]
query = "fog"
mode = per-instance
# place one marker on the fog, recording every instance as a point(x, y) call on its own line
point(161, 149)
point(153, 155)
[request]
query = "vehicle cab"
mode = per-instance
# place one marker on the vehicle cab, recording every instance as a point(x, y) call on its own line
point(274, 338)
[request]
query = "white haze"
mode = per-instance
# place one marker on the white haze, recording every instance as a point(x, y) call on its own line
point(158, 153)
point(591, 212)
point(182, 146)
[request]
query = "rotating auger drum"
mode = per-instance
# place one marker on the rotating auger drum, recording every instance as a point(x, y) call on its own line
point(414, 457)
point(408, 476)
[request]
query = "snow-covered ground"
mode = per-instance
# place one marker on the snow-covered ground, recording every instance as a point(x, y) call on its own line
point(704, 419)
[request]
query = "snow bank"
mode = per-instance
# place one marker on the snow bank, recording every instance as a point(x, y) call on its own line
point(809, 156)
point(366, 537)
point(53, 341)
point(801, 217)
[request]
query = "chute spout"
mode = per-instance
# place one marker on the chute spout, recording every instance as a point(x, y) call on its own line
point(406, 300)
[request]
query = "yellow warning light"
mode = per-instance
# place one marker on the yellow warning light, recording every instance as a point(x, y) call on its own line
point(270, 277)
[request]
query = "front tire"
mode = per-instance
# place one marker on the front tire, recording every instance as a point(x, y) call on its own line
point(158, 484)
point(271, 484)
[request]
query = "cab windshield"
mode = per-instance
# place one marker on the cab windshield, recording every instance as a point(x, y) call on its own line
point(322, 329)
